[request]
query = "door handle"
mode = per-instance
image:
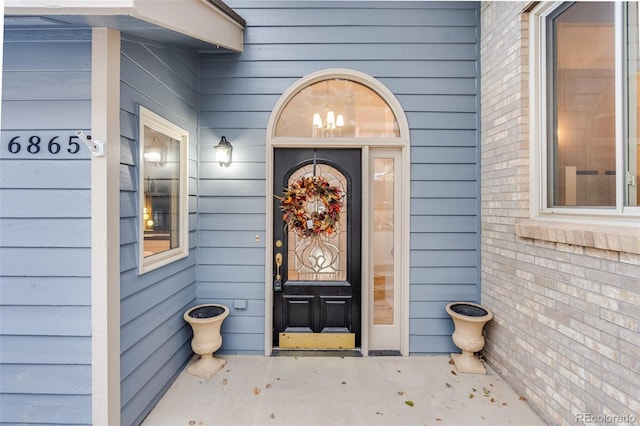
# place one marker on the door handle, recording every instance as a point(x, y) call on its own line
point(278, 265)
point(277, 284)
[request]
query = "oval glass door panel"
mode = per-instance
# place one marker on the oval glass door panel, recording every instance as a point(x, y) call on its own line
point(322, 257)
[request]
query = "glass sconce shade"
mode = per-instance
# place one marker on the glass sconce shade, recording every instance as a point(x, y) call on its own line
point(156, 152)
point(224, 151)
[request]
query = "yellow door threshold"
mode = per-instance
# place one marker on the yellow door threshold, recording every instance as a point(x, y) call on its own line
point(317, 340)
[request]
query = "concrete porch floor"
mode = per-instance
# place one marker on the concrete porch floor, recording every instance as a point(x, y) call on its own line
point(317, 390)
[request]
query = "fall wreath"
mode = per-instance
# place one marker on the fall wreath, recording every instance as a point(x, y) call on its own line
point(296, 213)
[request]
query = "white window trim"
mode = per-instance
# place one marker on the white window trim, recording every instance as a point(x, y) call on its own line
point(164, 126)
point(538, 130)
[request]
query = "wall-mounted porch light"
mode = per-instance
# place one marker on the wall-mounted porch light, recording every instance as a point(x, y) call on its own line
point(223, 152)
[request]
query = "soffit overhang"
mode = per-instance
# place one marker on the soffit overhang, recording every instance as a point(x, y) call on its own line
point(198, 24)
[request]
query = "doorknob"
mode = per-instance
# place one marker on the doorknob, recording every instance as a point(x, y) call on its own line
point(277, 284)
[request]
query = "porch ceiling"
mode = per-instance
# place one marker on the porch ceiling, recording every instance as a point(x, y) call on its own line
point(197, 24)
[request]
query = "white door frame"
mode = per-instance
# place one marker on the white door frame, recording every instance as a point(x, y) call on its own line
point(366, 145)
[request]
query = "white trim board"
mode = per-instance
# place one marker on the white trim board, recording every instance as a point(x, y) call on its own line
point(105, 228)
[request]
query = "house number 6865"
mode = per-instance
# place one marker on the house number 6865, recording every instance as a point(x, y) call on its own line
point(35, 144)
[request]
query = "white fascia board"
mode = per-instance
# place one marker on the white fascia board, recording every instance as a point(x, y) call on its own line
point(68, 7)
point(195, 18)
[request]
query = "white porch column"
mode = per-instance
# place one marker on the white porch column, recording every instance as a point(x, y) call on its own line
point(105, 228)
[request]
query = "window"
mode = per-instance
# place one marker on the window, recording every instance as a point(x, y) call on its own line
point(163, 213)
point(337, 107)
point(585, 75)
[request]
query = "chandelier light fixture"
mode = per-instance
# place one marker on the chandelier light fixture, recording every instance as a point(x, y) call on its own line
point(332, 123)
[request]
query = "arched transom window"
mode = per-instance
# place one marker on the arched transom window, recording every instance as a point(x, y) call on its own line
point(337, 107)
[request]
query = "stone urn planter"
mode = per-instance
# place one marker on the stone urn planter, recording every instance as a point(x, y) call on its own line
point(469, 320)
point(206, 320)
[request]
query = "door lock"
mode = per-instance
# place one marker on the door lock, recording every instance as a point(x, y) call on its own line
point(277, 284)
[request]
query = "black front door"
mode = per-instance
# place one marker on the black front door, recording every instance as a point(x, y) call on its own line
point(317, 277)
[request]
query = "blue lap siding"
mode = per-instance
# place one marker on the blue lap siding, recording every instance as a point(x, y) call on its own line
point(45, 229)
point(427, 55)
point(155, 339)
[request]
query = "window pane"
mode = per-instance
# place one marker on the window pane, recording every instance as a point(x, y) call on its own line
point(161, 212)
point(582, 163)
point(383, 240)
point(337, 108)
point(632, 148)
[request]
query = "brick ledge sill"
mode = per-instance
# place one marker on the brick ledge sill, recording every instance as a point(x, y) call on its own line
point(615, 238)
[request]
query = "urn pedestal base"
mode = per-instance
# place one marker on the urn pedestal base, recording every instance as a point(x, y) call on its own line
point(206, 366)
point(468, 363)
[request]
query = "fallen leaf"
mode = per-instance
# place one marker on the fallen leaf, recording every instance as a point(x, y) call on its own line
point(493, 400)
point(451, 361)
point(273, 415)
point(400, 392)
point(256, 390)
point(447, 385)
point(399, 371)
point(192, 422)
point(268, 386)
point(471, 396)
point(438, 419)
point(491, 384)
point(485, 390)
point(344, 383)
point(504, 404)
point(454, 373)
point(522, 398)
point(378, 413)
point(474, 389)
point(409, 403)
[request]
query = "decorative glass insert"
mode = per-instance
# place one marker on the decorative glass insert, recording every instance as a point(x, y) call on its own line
point(322, 257)
point(337, 108)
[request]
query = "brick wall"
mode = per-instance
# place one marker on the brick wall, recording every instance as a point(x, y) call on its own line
point(566, 331)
